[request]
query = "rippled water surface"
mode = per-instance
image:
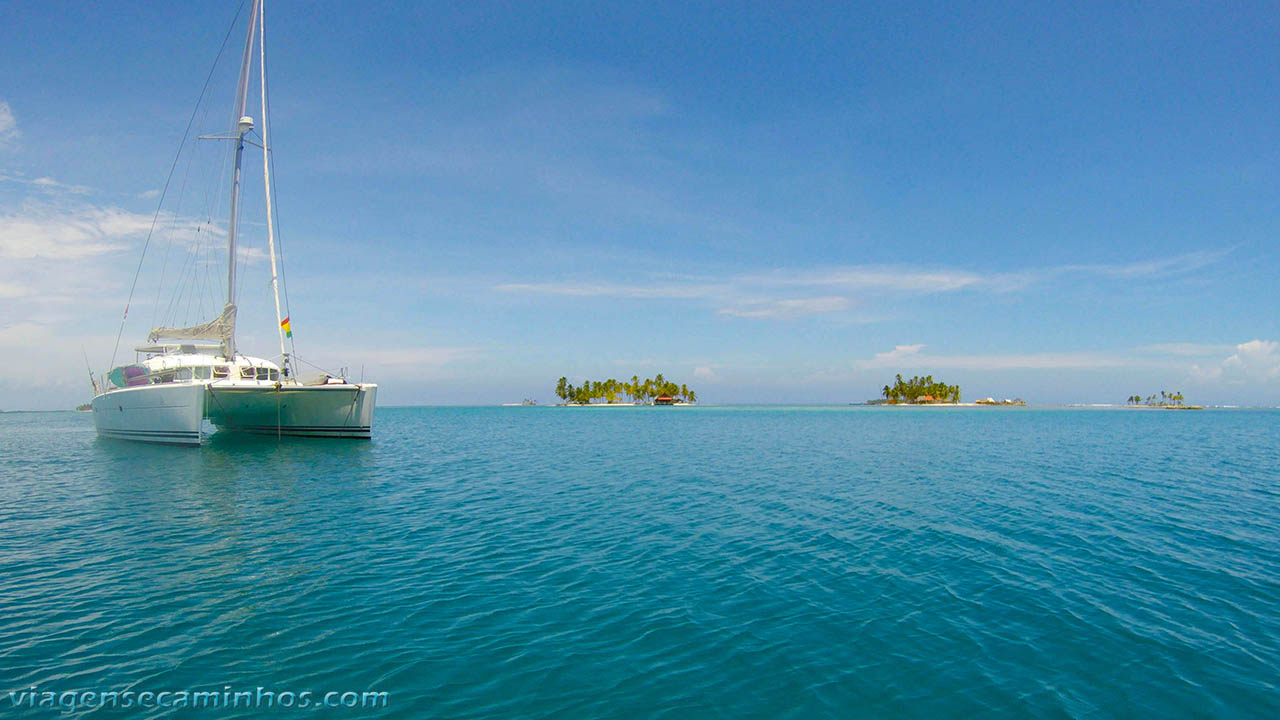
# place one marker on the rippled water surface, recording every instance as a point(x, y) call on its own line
point(660, 562)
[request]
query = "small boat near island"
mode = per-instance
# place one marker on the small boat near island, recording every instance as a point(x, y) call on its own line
point(183, 376)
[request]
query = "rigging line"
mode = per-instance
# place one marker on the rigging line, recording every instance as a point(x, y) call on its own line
point(175, 301)
point(182, 193)
point(168, 178)
point(182, 284)
point(324, 370)
point(191, 296)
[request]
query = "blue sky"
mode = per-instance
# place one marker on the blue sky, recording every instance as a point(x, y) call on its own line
point(773, 202)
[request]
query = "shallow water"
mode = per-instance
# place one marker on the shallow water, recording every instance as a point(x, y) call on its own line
point(659, 562)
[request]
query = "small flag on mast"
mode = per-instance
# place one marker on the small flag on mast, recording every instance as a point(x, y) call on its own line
point(288, 332)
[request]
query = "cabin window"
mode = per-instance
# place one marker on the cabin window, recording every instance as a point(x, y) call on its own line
point(182, 374)
point(263, 374)
point(220, 372)
point(247, 373)
point(164, 378)
point(202, 373)
point(275, 374)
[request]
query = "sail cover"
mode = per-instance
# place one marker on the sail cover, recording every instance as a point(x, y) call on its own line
point(223, 329)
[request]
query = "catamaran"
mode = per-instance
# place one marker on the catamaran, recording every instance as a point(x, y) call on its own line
point(183, 376)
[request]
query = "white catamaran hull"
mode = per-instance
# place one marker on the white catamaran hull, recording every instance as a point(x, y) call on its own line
point(174, 413)
point(337, 411)
point(151, 413)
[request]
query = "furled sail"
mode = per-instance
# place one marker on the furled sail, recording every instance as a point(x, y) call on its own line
point(222, 329)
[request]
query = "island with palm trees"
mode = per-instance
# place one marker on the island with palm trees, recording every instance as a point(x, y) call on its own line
point(920, 391)
point(650, 391)
point(1167, 401)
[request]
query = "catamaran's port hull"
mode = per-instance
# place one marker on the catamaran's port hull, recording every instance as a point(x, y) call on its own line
point(169, 414)
point(174, 413)
point(336, 411)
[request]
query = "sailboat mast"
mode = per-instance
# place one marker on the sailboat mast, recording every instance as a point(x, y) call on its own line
point(242, 126)
point(266, 179)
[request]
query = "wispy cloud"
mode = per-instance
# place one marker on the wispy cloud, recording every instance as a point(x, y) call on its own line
point(45, 184)
point(8, 125)
point(250, 254)
point(62, 233)
point(51, 185)
point(913, 357)
point(1256, 361)
point(897, 353)
point(655, 291)
point(774, 294)
point(1187, 349)
point(872, 277)
point(1161, 267)
point(705, 373)
point(787, 308)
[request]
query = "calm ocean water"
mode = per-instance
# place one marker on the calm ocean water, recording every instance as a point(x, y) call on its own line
point(659, 562)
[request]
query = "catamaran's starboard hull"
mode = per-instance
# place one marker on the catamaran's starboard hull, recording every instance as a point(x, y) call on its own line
point(173, 414)
point(334, 411)
point(169, 414)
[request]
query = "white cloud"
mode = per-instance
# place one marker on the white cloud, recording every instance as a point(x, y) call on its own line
point(47, 232)
point(62, 231)
point(149, 194)
point(871, 277)
point(654, 291)
point(1256, 361)
point(1185, 349)
point(251, 254)
point(911, 357)
point(787, 308)
point(46, 184)
point(1161, 267)
point(8, 125)
point(897, 353)
point(705, 373)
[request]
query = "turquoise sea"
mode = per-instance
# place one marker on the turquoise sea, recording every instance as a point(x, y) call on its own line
point(655, 563)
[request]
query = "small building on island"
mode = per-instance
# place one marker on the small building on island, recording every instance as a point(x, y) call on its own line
point(664, 400)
